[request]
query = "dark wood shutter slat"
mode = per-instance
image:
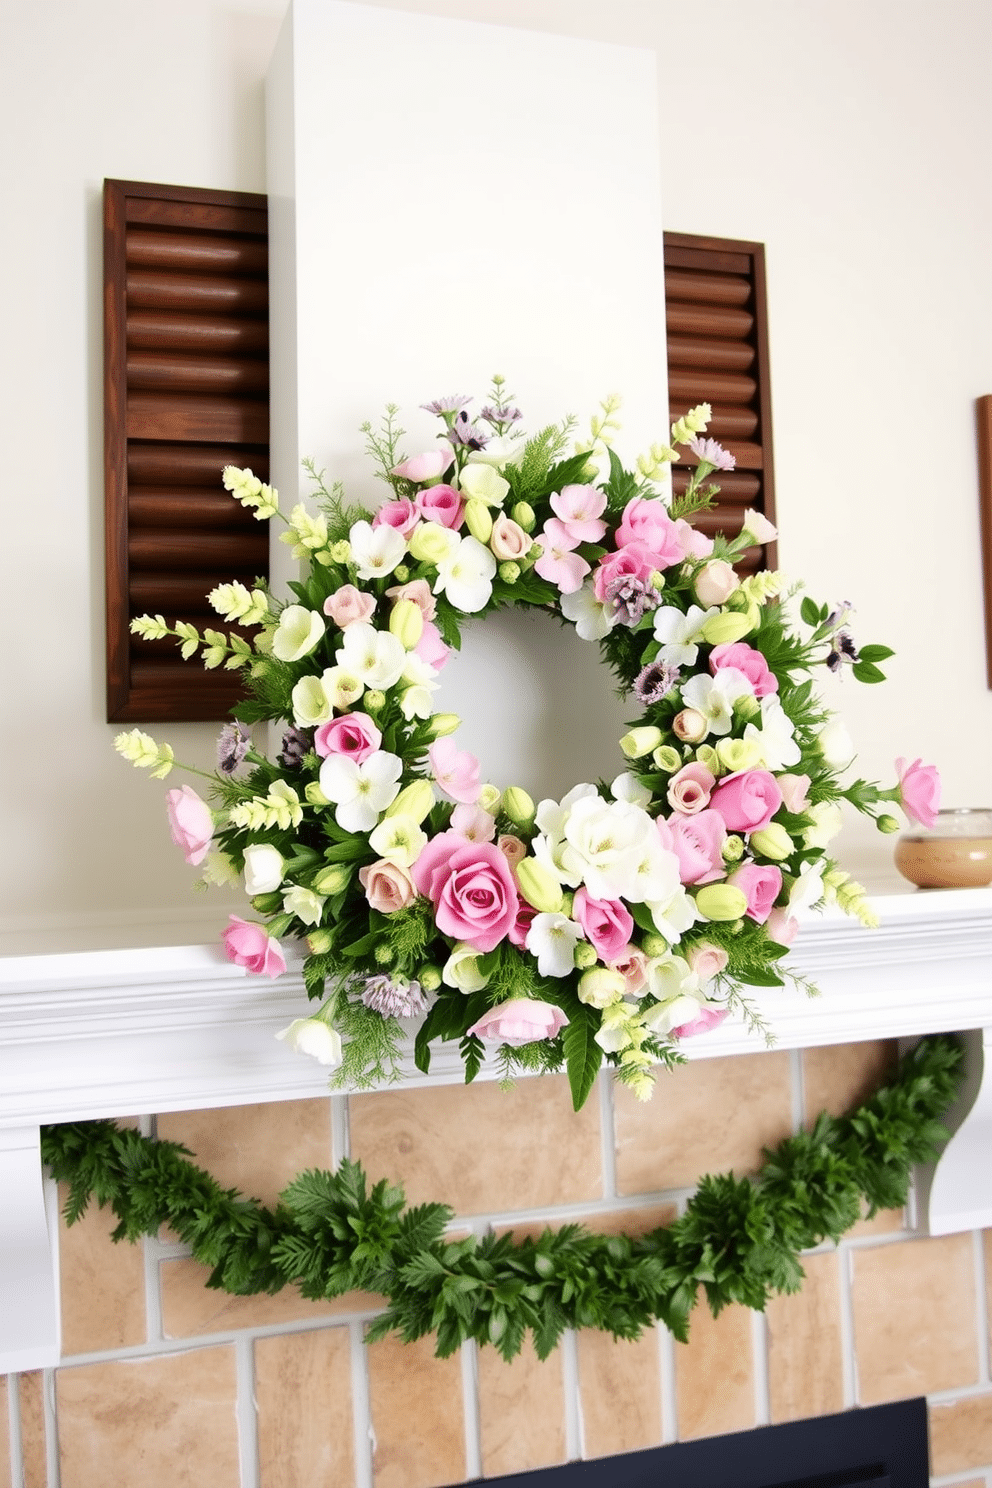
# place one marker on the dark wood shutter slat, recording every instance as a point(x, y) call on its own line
point(197, 418)
point(165, 330)
point(221, 294)
point(161, 506)
point(191, 253)
point(174, 371)
point(189, 465)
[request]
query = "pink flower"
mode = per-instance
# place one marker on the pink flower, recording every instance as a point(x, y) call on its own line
point(706, 960)
point(474, 824)
point(387, 886)
point(632, 964)
point(919, 791)
point(520, 1020)
point(353, 734)
point(508, 540)
point(748, 801)
point(715, 582)
point(420, 592)
point(190, 822)
point(471, 888)
point(751, 663)
point(349, 606)
point(689, 789)
point(431, 648)
point(709, 1016)
point(795, 792)
point(697, 841)
point(514, 849)
point(559, 563)
point(429, 466)
point(455, 770)
point(646, 521)
point(635, 561)
point(608, 923)
point(782, 927)
point(248, 944)
point(401, 514)
point(441, 504)
point(761, 884)
point(695, 544)
point(580, 509)
point(522, 922)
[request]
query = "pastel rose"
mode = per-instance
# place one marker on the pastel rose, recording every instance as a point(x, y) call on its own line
point(694, 544)
point(690, 726)
point(746, 659)
point(349, 606)
point(519, 930)
point(419, 591)
point(513, 849)
point(646, 522)
point(441, 504)
point(471, 887)
point(387, 886)
point(353, 734)
point(715, 583)
point(761, 884)
point(795, 792)
point(474, 824)
point(748, 801)
point(782, 927)
point(697, 841)
point(429, 466)
point(248, 945)
point(635, 561)
point(632, 964)
point(401, 514)
point(431, 648)
point(520, 1020)
point(191, 823)
point(706, 960)
point(508, 540)
point(689, 789)
point(919, 791)
point(608, 923)
point(710, 1015)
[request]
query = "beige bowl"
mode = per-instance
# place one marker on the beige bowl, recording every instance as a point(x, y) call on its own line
point(956, 853)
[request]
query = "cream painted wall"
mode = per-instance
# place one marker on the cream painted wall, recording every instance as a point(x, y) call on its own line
point(848, 135)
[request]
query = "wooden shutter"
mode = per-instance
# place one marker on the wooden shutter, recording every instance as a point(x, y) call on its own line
point(718, 354)
point(186, 393)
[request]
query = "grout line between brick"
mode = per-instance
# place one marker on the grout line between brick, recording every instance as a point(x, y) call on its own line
point(246, 1412)
point(340, 1134)
point(470, 1409)
point(153, 1293)
point(981, 1306)
point(14, 1429)
point(53, 1465)
point(849, 1363)
point(798, 1090)
point(607, 1136)
point(361, 1409)
point(575, 1447)
point(759, 1355)
point(669, 1393)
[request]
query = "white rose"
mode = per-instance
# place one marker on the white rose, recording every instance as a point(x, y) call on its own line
point(263, 868)
point(836, 745)
point(314, 1037)
point(299, 631)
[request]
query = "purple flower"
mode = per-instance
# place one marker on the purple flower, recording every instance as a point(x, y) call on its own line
point(295, 744)
point(843, 650)
point(656, 681)
point(399, 999)
point(500, 415)
point(630, 598)
point(443, 406)
point(712, 453)
point(232, 746)
point(463, 431)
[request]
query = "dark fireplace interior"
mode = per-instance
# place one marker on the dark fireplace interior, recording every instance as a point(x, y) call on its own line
point(884, 1446)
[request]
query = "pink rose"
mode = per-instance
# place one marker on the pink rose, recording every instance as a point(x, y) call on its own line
point(689, 789)
point(919, 791)
point(520, 1020)
point(706, 960)
point(420, 592)
point(508, 540)
point(747, 801)
point(646, 522)
point(710, 1015)
point(715, 582)
point(697, 842)
point(455, 770)
point(441, 504)
point(426, 467)
point(353, 734)
point(521, 925)
point(190, 822)
point(632, 965)
point(431, 648)
point(694, 544)
point(761, 884)
point(782, 927)
point(387, 886)
point(471, 887)
point(248, 944)
point(349, 606)
point(795, 792)
point(608, 923)
point(473, 823)
point(401, 514)
point(635, 561)
point(746, 659)
point(514, 849)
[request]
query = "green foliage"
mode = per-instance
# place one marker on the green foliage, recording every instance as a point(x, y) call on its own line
point(739, 1240)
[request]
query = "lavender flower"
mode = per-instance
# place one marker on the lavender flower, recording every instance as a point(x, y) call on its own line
point(463, 431)
point(500, 415)
point(232, 746)
point(843, 650)
point(630, 598)
point(710, 452)
point(295, 744)
point(656, 681)
point(394, 999)
point(445, 406)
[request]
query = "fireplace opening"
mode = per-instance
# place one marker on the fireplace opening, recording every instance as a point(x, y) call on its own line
point(883, 1446)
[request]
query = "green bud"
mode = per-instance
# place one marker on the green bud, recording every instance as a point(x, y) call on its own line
point(479, 520)
point(441, 724)
point(320, 942)
point(733, 848)
point(888, 824)
point(266, 904)
point(383, 954)
point(773, 842)
point(738, 754)
point(332, 880)
point(657, 580)
point(721, 902)
point(668, 759)
point(585, 954)
point(401, 573)
point(600, 987)
point(374, 701)
point(509, 571)
point(523, 515)
point(539, 886)
point(654, 945)
point(315, 796)
point(429, 978)
point(726, 628)
point(707, 755)
point(406, 623)
point(518, 806)
point(640, 741)
point(489, 798)
point(414, 800)
point(747, 709)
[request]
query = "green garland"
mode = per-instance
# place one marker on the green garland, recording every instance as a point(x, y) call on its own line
point(739, 1239)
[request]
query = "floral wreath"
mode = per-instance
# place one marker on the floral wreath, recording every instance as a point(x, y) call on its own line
point(608, 925)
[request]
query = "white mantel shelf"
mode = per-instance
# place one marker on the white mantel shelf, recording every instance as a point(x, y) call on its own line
point(125, 1032)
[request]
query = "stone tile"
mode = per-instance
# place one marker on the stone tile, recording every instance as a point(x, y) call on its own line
point(191, 1308)
point(303, 1395)
point(256, 1149)
point(417, 1415)
point(166, 1422)
point(805, 1363)
point(4, 1435)
point(714, 1373)
point(707, 1116)
point(885, 1222)
point(102, 1284)
point(34, 1454)
point(838, 1077)
point(479, 1148)
point(914, 1318)
point(619, 1392)
point(521, 1411)
point(960, 1435)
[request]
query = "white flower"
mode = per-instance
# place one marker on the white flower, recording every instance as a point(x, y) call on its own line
point(311, 704)
point(550, 819)
point(827, 822)
point(671, 976)
point(758, 526)
point(776, 737)
point(680, 634)
point(313, 1036)
point(674, 915)
point(665, 1016)
point(466, 575)
point(298, 633)
point(501, 450)
point(592, 620)
point(628, 788)
point(552, 938)
point(360, 792)
point(481, 482)
point(714, 697)
point(807, 889)
point(375, 657)
point(836, 745)
point(398, 839)
point(461, 969)
point(375, 551)
point(304, 904)
point(614, 849)
point(219, 870)
point(416, 700)
point(263, 868)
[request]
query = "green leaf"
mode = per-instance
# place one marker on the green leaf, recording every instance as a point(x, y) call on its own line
point(875, 653)
point(810, 611)
point(583, 1056)
point(865, 671)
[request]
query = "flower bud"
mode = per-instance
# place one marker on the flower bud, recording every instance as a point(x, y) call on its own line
point(266, 904)
point(733, 848)
point(374, 701)
point(668, 759)
point(585, 954)
point(707, 755)
point(512, 848)
point(523, 515)
point(640, 741)
point(383, 953)
point(725, 628)
point(489, 798)
point(414, 800)
point(430, 543)
point(747, 708)
point(341, 551)
point(406, 622)
point(773, 842)
point(518, 806)
point(441, 724)
point(333, 879)
point(721, 902)
point(715, 582)
point(690, 726)
point(315, 796)
point(401, 573)
point(479, 520)
point(539, 886)
point(509, 572)
point(320, 942)
point(738, 754)
point(600, 987)
point(888, 824)
point(429, 978)
point(654, 945)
